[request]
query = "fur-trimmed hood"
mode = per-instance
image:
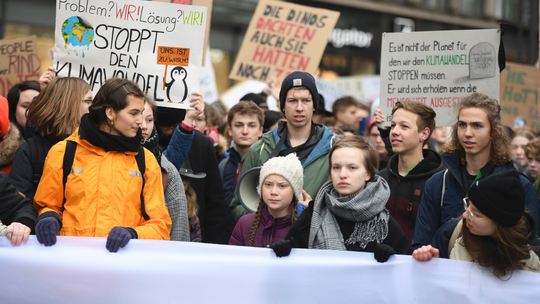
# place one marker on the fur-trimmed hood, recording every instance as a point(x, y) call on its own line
point(9, 145)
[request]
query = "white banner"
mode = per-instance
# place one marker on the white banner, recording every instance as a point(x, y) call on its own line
point(438, 69)
point(81, 270)
point(158, 45)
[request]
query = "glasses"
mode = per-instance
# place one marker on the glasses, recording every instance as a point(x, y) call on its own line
point(467, 206)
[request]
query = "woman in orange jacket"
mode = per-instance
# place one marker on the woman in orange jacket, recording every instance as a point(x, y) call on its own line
point(108, 193)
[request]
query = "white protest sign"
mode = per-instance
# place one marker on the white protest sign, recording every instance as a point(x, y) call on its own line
point(364, 88)
point(208, 85)
point(329, 92)
point(157, 45)
point(438, 69)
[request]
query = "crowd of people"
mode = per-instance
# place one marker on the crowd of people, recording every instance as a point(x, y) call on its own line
point(119, 166)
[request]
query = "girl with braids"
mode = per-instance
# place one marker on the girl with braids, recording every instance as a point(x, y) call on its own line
point(280, 185)
point(495, 231)
point(349, 212)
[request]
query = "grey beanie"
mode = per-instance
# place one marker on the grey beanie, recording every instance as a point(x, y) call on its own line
point(289, 167)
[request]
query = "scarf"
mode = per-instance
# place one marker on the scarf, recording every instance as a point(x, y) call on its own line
point(366, 208)
point(152, 144)
point(90, 132)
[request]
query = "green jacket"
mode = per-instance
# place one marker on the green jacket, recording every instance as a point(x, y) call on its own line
point(316, 171)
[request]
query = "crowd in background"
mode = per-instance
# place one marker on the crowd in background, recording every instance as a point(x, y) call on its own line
point(118, 165)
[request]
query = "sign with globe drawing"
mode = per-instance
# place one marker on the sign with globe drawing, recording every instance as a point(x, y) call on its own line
point(158, 45)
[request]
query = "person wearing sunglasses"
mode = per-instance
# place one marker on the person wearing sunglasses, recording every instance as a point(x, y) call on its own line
point(495, 231)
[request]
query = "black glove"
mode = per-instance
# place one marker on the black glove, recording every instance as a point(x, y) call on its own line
point(46, 230)
point(283, 248)
point(118, 238)
point(383, 252)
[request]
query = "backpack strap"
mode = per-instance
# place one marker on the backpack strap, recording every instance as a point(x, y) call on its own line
point(141, 163)
point(222, 165)
point(37, 158)
point(443, 188)
point(455, 235)
point(69, 155)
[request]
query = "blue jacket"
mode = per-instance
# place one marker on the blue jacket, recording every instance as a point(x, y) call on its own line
point(431, 216)
point(229, 174)
point(179, 146)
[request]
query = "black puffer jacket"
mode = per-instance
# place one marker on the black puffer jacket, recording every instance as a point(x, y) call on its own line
point(13, 206)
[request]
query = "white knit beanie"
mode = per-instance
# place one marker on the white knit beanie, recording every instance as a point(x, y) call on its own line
point(289, 167)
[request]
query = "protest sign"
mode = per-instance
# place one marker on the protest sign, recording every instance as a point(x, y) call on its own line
point(19, 61)
point(208, 87)
point(282, 38)
point(365, 88)
point(157, 45)
point(519, 96)
point(329, 92)
point(208, 4)
point(80, 270)
point(438, 69)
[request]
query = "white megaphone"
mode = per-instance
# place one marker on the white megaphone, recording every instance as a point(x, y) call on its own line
point(247, 189)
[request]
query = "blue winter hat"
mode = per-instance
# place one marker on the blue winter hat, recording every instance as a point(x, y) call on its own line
point(299, 79)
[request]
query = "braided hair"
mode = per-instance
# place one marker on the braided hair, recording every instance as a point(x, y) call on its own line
point(293, 208)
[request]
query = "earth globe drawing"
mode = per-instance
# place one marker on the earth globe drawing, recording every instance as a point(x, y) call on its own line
point(77, 35)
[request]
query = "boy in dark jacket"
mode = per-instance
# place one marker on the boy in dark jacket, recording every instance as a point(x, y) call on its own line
point(479, 147)
point(245, 121)
point(411, 166)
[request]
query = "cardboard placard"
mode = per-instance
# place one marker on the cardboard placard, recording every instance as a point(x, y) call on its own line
point(19, 61)
point(157, 45)
point(438, 69)
point(282, 38)
point(208, 4)
point(519, 96)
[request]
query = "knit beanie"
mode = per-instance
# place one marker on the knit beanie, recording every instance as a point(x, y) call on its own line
point(4, 116)
point(298, 79)
point(256, 98)
point(500, 197)
point(287, 166)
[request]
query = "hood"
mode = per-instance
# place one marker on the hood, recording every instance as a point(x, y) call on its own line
point(8, 146)
point(431, 164)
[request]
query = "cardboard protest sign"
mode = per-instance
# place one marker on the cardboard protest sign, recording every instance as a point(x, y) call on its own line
point(519, 96)
point(208, 4)
point(438, 69)
point(19, 61)
point(157, 45)
point(282, 38)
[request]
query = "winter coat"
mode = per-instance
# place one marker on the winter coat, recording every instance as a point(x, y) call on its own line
point(316, 171)
point(11, 141)
point(102, 191)
point(431, 215)
point(270, 229)
point(229, 174)
point(22, 172)
point(301, 228)
point(175, 200)
point(213, 213)
point(13, 206)
point(406, 192)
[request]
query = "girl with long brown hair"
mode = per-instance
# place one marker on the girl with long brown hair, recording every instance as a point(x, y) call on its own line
point(280, 185)
point(495, 231)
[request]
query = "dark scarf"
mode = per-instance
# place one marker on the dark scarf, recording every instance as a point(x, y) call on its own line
point(90, 132)
point(302, 151)
point(152, 144)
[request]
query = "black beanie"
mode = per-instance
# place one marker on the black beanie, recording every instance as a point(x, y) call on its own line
point(256, 98)
point(299, 79)
point(169, 116)
point(500, 197)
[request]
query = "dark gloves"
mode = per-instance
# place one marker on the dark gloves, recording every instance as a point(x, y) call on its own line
point(383, 252)
point(46, 230)
point(283, 248)
point(118, 238)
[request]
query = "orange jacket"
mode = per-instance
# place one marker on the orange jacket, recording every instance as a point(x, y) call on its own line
point(102, 191)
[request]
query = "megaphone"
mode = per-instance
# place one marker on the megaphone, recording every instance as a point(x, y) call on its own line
point(247, 189)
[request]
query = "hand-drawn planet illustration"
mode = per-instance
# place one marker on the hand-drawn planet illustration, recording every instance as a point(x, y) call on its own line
point(77, 35)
